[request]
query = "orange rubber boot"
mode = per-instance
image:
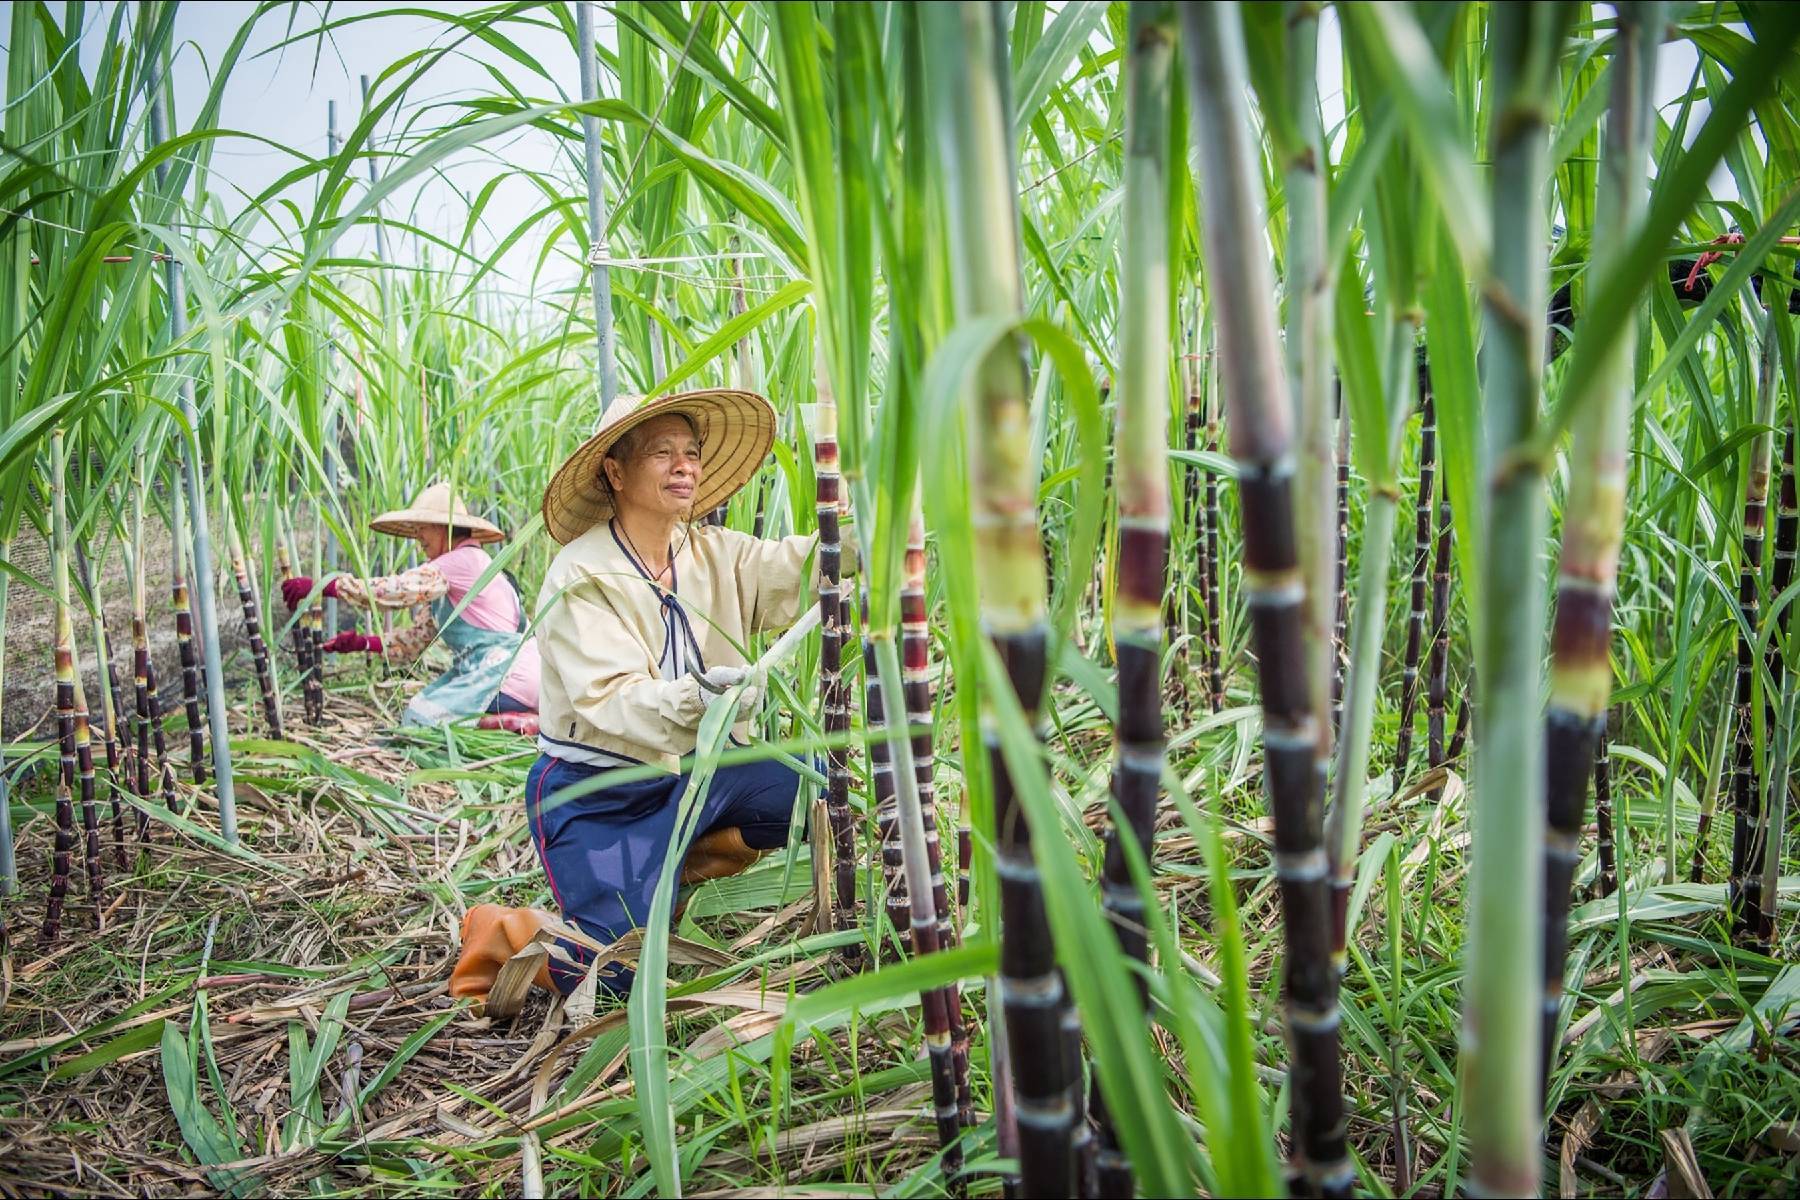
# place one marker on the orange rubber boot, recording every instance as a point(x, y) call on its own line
point(491, 935)
point(717, 855)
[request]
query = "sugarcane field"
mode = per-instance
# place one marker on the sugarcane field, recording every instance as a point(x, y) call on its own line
point(970, 598)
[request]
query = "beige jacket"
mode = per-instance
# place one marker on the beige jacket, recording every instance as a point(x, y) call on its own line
point(604, 635)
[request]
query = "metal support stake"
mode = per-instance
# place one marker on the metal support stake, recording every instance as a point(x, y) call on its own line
point(204, 575)
point(596, 190)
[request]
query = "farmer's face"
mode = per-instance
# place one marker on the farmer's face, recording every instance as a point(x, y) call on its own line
point(434, 540)
point(663, 470)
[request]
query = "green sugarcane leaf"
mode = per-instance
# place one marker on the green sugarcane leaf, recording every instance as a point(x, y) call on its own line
point(199, 1129)
point(132, 1041)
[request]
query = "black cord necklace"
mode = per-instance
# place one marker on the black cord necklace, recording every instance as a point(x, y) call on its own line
point(641, 559)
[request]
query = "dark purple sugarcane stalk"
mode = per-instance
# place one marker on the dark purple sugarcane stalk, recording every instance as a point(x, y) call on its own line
point(1232, 203)
point(833, 693)
point(259, 652)
point(1608, 881)
point(1744, 888)
point(915, 664)
point(1341, 659)
point(887, 799)
point(1415, 621)
point(1437, 670)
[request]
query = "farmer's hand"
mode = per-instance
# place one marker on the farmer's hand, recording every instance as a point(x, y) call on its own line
point(717, 682)
point(353, 643)
point(748, 697)
point(720, 679)
point(299, 587)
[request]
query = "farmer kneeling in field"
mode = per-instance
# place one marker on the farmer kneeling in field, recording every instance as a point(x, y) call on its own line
point(642, 617)
point(494, 666)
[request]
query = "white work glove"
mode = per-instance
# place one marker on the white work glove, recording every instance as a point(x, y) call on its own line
point(717, 682)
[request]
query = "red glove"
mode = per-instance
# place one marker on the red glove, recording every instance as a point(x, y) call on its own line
point(299, 587)
point(353, 643)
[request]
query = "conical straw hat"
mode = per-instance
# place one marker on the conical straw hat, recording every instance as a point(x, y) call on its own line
point(436, 506)
point(736, 430)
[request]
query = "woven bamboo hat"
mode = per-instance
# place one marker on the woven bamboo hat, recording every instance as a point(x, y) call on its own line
point(437, 507)
point(736, 430)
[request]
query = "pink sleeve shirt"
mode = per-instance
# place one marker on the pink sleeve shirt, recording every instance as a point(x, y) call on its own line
point(496, 607)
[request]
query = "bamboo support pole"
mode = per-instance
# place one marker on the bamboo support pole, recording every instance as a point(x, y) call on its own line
point(333, 448)
point(196, 492)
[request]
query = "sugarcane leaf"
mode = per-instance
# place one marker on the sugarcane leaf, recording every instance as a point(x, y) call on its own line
point(1359, 373)
point(1450, 326)
point(133, 1041)
point(1049, 59)
point(1390, 37)
point(199, 1129)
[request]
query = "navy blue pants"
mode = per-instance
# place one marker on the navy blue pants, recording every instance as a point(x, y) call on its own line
point(603, 851)
point(503, 703)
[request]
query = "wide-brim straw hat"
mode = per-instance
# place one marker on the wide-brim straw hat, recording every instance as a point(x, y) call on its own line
point(736, 430)
point(436, 507)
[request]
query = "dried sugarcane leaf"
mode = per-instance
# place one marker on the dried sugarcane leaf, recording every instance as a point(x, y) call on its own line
point(513, 984)
point(1577, 1138)
point(1686, 1182)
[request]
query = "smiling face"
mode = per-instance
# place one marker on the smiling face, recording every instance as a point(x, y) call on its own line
point(657, 467)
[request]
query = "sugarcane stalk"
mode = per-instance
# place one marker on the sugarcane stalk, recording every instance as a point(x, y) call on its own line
point(68, 749)
point(311, 695)
point(65, 701)
point(107, 677)
point(1594, 516)
point(1465, 720)
point(90, 817)
point(887, 799)
point(259, 653)
point(1775, 820)
point(1709, 798)
point(1744, 887)
point(939, 1006)
point(975, 150)
point(1341, 636)
point(1415, 621)
point(1437, 669)
point(1763, 865)
point(1310, 282)
point(196, 494)
point(1608, 881)
point(833, 694)
point(1215, 632)
point(109, 705)
point(9, 871)
point(915, 661)
point(1502, 1032)
point(1191, 492)
point(1237, 264)
point(184, 638)
point(1141, 450)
